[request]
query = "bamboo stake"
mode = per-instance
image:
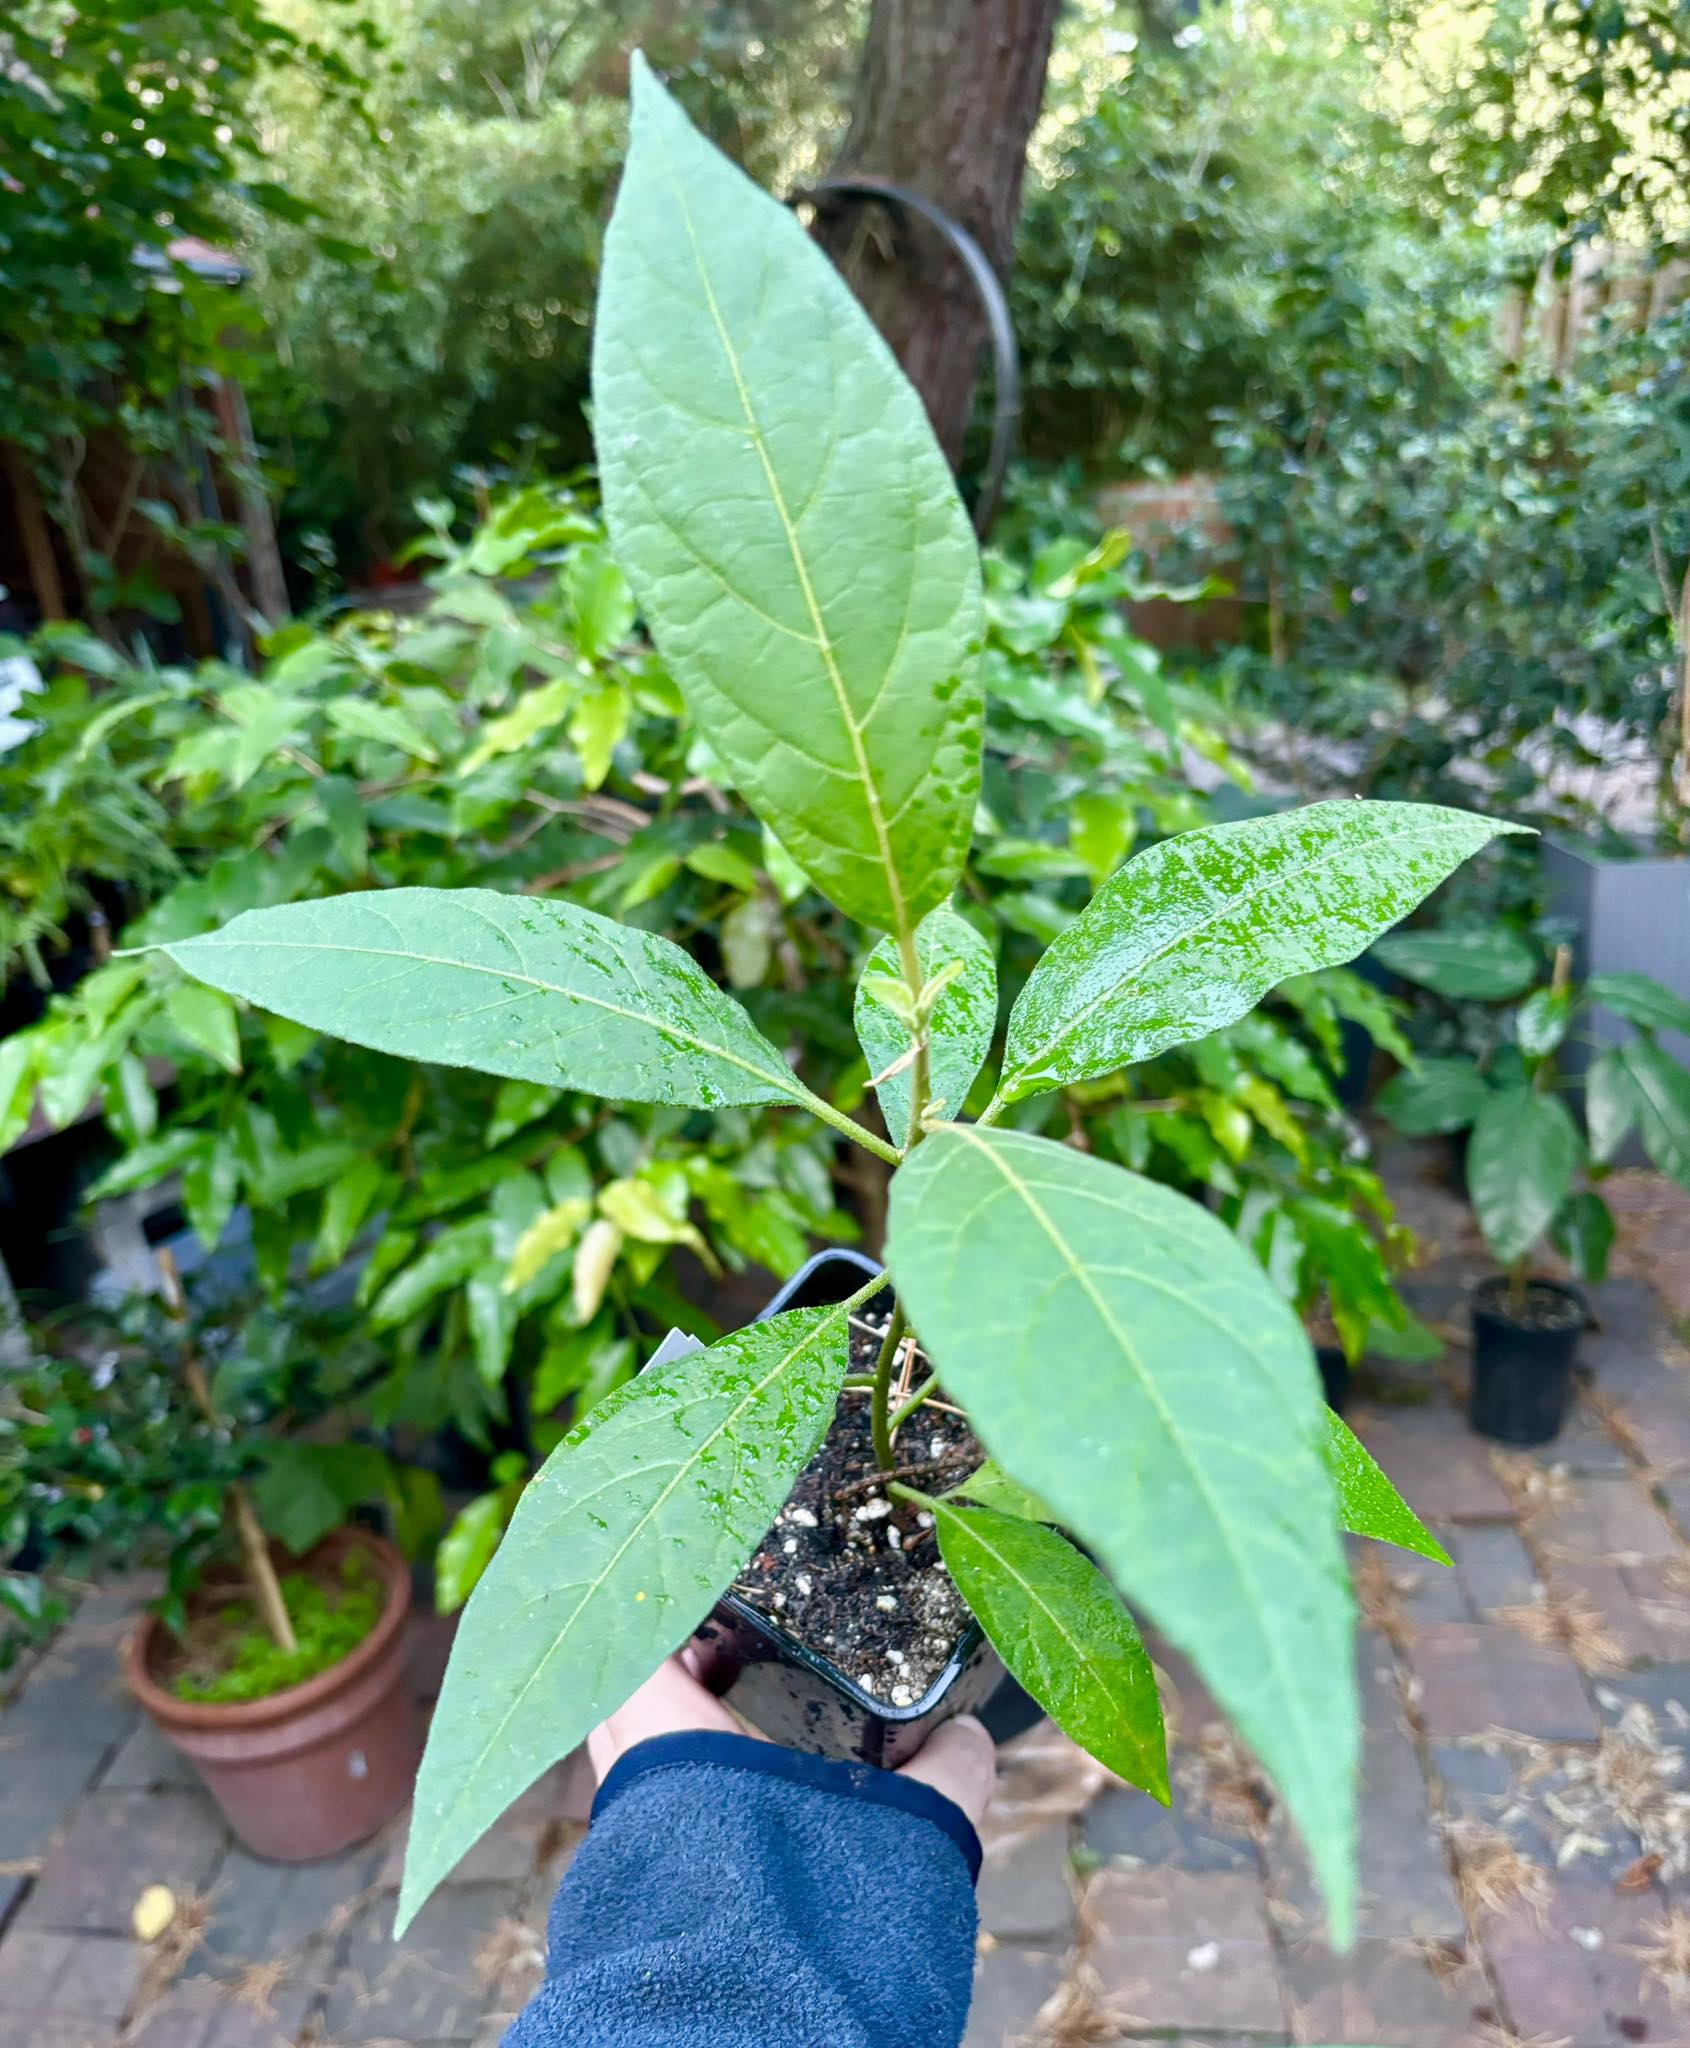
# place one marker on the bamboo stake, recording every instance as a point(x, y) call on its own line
point(261, 1577)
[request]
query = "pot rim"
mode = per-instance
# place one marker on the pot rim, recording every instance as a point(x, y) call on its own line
point(1489, 1298)
point(231, 1715)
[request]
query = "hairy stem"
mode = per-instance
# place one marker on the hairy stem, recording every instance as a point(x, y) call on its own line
point(858, 1133)
point(879, 1408)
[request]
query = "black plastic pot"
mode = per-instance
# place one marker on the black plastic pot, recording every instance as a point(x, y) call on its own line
point(1523, 1371)
point(1334, 1375)
point(802, 1699)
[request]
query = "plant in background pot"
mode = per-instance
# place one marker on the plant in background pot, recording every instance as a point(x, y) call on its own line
point(275, 1658)
point(1534, 1173)
point(1118, 1358)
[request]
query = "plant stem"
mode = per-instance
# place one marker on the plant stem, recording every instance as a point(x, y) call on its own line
point(262, 1582)
point(921, 1079)
point(858, 1133)
point(879, 1419)
point(919, 1399)
point(1517, 1291)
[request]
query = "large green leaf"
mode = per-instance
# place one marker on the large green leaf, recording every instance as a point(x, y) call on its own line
point(965, 1014)
point(1438, 1095)
point(1120, 1353)
point(1610, 1104)
point(1641, 1000)
point(536, 990)
point(1057, 1624)
point(789, 525)
point(1368, 1504)
point(1521, 1160)
point(1476, 963)
point(1192, 933)
point(1660, 1089)
point(616, 1552)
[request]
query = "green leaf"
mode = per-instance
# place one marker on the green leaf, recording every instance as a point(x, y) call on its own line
point(1063, 1634)
point(17, 1086)
point(1126, 1356)
point(305, 1490)
point(345, 1207)
point(716, 861)
point(748, 940)
point(965, 1015)
point(1437, 1096)
point(445, 1263)
point(1484, 963)
point(1610, 1104)
point(207, 1021)
point(535, 711)
point(1583, 1234)
point(1368, 1504)
point(788, 523)
point(147, 1164)
point(991, 1487)
point(210, 1182)
point(1543, 1020)
point(1660, 1088)
point(1640, 1000)
point(1190, 934)
point(1521, 1160)
point(510, 985)
point(466, 1549)
point(553, 1232)
point(1101, 829)
point(362, 718)
point(599, 721)
point(616, 1552)
point(601, 606)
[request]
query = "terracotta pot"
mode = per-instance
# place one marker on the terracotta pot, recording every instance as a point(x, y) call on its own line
point(311, 1770)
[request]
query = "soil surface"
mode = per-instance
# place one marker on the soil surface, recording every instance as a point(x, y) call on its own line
point(1545, 1307)
point(855, 1574)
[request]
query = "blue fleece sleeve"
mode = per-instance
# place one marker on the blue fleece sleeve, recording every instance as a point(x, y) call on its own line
point(731, 1894)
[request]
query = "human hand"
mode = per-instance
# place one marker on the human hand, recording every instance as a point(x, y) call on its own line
point(959, 1760)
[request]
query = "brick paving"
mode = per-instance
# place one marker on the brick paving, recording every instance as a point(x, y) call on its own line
point(1525, 1840)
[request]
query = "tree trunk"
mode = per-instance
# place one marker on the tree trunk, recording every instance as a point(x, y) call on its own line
point(946, 98)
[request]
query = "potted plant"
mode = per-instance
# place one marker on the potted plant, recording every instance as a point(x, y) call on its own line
point(1118, 1359)
point(1534, 1169)
point(275, 1658)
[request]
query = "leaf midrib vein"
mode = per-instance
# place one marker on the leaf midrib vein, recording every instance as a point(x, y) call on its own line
point(791, 1086)
point(1152, 1391)
point(824, 639)
point(1183, 937)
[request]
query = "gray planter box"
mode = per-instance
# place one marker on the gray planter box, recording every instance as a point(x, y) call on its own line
point(1629, 916)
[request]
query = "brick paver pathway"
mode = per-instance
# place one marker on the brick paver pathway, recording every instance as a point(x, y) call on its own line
point(1525, 1849)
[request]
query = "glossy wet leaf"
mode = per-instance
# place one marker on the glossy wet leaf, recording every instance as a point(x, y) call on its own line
point(1063, 1634)
point(1119, 1348)
point(1190, 934)
point(1521, 1159)
point(788, 523)
point(1368, 1504)
point(1542, 1023)
point(1475, 963)
point(617, 1550)
point(534, 990)
point(1438, 1096)
point(1660, 1092)
point(965, 1014)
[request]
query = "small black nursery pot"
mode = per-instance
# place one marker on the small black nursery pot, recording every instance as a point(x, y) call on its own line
point(1523, 1363)
point(800, 1697)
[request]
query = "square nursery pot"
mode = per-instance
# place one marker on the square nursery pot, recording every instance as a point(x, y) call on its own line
point(1627, 916)
point(799, 1697)
point(309, 1771)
